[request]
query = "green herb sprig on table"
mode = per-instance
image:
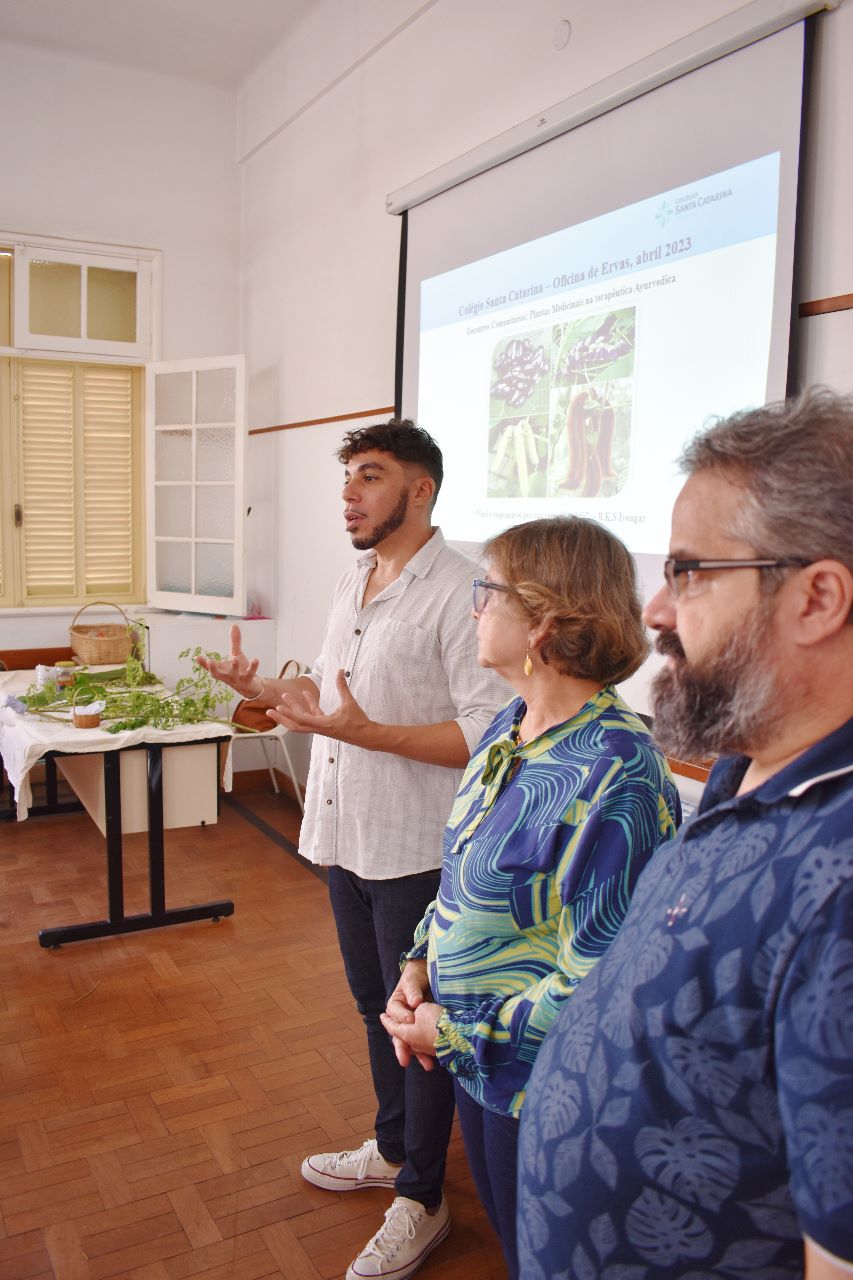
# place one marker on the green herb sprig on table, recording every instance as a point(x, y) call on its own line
point(132, 704)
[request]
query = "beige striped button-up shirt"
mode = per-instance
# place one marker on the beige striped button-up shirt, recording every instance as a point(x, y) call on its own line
point(411, 658)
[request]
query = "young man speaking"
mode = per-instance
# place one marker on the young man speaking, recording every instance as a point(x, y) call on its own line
point(396, 702)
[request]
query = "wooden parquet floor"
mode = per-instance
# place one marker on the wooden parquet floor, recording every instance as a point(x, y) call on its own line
point(159, 1090)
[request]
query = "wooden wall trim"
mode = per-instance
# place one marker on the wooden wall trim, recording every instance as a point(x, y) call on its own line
point(824, 306)
point(314, 422)
point(696, 769)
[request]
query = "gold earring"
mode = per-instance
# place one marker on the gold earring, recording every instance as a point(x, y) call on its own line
point(528, 664)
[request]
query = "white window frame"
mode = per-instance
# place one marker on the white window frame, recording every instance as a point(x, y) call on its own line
point(192, 601)
point(145, 263)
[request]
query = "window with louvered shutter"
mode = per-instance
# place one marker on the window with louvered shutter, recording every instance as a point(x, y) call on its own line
point(79, 481)
point(108, 479)
point(48, 535)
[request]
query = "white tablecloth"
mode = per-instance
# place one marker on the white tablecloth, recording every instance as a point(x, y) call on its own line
point(25, 738)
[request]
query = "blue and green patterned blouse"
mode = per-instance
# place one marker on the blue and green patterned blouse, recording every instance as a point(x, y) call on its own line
point(544, 845)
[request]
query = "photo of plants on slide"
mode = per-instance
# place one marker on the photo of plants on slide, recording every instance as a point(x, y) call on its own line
point(592, 361)
point(518, 416)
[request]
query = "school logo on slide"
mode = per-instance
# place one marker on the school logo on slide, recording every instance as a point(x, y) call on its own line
point(664, 213)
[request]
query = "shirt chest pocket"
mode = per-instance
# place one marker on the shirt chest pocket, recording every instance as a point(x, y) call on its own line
point(516, 875)
point(405, 648)
point(530, 865)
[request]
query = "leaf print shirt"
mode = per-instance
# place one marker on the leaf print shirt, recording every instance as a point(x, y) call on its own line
point(544, 845)
point(691, 1114)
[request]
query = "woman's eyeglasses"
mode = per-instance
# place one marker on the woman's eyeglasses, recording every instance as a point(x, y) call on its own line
point(482, 587)
point(679, 574)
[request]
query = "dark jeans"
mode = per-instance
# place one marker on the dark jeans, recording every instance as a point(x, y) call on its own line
point(491, 1145)
point(376, 922)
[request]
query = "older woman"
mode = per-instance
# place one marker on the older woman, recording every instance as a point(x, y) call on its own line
point(561, 805)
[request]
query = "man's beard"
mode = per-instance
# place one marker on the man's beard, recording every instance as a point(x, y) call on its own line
point(367, 541)
point(726, 704)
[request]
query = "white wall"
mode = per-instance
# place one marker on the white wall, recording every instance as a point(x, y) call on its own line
point(104, 153)
point(370, 94)
point(99, 152)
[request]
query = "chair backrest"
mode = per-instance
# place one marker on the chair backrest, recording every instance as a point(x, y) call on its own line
point(29, 659)
point(248, 715)
point(291, 669)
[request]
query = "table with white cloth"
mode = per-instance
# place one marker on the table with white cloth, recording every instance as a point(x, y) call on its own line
point(135, 780)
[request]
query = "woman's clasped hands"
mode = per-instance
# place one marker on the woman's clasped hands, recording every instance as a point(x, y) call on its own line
point(411, 1018)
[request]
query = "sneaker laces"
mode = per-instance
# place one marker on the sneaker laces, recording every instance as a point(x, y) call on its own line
point(399, 1226)
point(356, 1160)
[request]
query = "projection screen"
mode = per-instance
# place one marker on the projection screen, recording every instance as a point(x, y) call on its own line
point(573, 315)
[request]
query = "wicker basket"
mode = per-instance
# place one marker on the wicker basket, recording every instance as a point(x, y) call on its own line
point(86, 719)
point(103, 642)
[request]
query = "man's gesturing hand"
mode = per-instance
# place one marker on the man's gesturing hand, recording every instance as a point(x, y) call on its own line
point(347, 723)
point(236, 670)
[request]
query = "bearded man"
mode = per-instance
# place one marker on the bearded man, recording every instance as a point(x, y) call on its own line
point(691, 1112)
point(396, 702)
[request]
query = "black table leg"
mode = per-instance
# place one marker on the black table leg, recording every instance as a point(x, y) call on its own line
point(158, 916)
point(156, 867)
point(52, 803)
point(112, 818)
point(50, 782)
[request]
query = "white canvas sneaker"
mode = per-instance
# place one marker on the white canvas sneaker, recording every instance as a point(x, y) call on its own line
point(350, 1170)
point(400, 1245)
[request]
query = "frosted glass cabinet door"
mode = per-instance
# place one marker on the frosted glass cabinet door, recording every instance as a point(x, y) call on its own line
point(173, 399)
point(195, 437)
point(213, 568)
point(173, 511)
point(215, 453)
point(173, 455)
point(215, 395)
point(214, 511)
point(174, 571)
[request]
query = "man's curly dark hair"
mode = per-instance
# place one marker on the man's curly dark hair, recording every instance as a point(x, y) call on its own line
point(403, 440)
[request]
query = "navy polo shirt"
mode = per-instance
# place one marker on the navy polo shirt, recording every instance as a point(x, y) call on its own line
point(690, 1113)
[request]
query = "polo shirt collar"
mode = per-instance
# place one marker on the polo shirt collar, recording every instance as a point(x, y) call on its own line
point(832, 757)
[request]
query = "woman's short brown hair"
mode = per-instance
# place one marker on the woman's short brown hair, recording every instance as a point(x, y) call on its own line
point(575, 574)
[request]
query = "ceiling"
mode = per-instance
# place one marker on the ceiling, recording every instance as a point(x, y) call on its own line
point(217, 41)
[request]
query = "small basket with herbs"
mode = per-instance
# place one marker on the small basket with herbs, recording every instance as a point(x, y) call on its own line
point(88, 701)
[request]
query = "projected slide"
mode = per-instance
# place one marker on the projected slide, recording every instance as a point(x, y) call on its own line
point(564, 374)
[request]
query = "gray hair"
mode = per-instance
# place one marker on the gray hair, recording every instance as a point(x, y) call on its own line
point(794, 462)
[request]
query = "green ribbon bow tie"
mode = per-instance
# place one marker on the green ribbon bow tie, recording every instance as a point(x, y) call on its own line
point(500, 761)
